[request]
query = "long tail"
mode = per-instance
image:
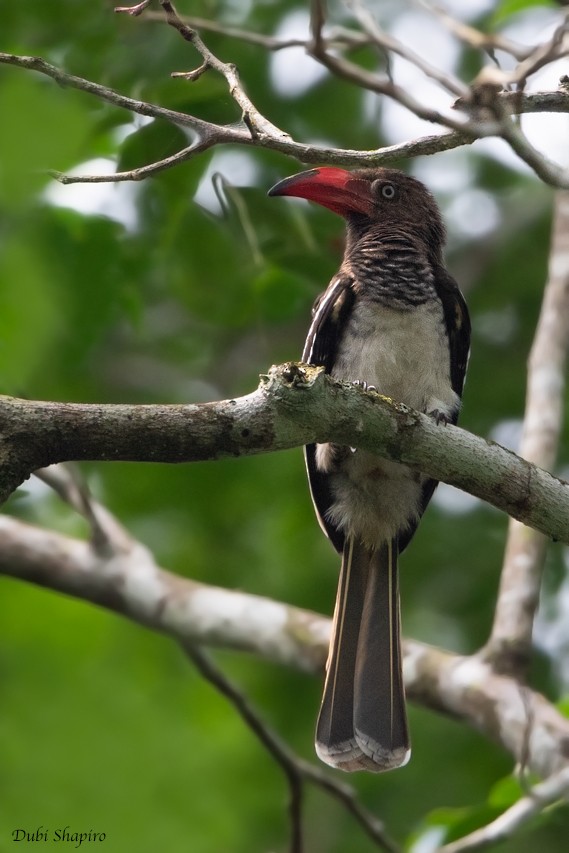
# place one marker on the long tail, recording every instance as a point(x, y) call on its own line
point(363, 722)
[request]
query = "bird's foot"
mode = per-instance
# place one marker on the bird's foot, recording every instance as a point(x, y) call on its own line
point(361, 383)
point(439, 417)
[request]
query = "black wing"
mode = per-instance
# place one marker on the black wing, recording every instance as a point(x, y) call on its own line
point(330, 314)
point(457, 322)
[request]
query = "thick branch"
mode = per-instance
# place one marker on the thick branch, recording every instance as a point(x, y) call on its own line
point(131, 584)
point(511, 639)
point(128, 581)
point(294, 405)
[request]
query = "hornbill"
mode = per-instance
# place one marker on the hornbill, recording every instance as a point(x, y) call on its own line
point(393, 319)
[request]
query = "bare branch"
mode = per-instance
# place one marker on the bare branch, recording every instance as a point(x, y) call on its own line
point(289, 763)
point(131, 584)
point(510, 643)
point(475, 38)
point(209, 135)
point(392, 45)
point(337, 37)
point(294, 405)
point(140, 173)
point(296, 770)
point(555, 48)
point(353, 73)
point(108, 536)
point(493, 120)
point(546, 169)
point(134, 10)
point(258, 125)
point(519, 103)
point(34, 63)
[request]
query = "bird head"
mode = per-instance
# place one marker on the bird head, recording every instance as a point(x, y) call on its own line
point(369, 197)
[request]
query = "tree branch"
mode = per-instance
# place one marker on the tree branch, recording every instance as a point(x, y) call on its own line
point(296, 770)
point(337, 36)
point(209, 135)
point(128, 581)
point(381, 85)
point(392, 45)
point(294, 405)
point(112, 543)
point(510, 643)
point(476, 38)
point(202, 128)
point(257, 124)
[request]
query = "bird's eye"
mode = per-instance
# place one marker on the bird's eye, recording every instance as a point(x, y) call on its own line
point(388, 191)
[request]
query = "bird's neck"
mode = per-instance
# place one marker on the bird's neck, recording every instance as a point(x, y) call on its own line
point(391, 265)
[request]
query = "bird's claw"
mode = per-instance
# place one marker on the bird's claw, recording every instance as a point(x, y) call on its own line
point(439, 417)
point(361, 383)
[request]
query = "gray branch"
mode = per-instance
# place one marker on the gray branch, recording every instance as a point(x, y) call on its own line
point(510, 643)
point(294, 405)
point(209, 135)
point(126, 580)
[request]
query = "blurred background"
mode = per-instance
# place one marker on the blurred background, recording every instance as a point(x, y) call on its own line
point(183, 289)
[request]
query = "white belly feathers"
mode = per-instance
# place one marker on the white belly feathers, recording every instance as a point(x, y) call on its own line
point(405, 355)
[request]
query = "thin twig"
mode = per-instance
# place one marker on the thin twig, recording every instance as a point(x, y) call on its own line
point(543, 54)
point(476, 38)
point(209, 135)
point(258, 125)
point(544, 794)
point(201, 127)
point(392, 45)
point(277, 749)
point(138, 174)
point(136, 10)
point(296, 769)
point(549, 172)
point(337, 36)
point(108, 536)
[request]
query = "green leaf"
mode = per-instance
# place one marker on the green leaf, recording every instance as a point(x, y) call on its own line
point(505, 793)
point(454, 822)
point(511, 7)
point(562, 705)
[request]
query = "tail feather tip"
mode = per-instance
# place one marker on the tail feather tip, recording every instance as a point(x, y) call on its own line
point(358, 754)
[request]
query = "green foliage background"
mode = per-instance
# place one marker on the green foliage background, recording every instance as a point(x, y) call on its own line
point(105, 726)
